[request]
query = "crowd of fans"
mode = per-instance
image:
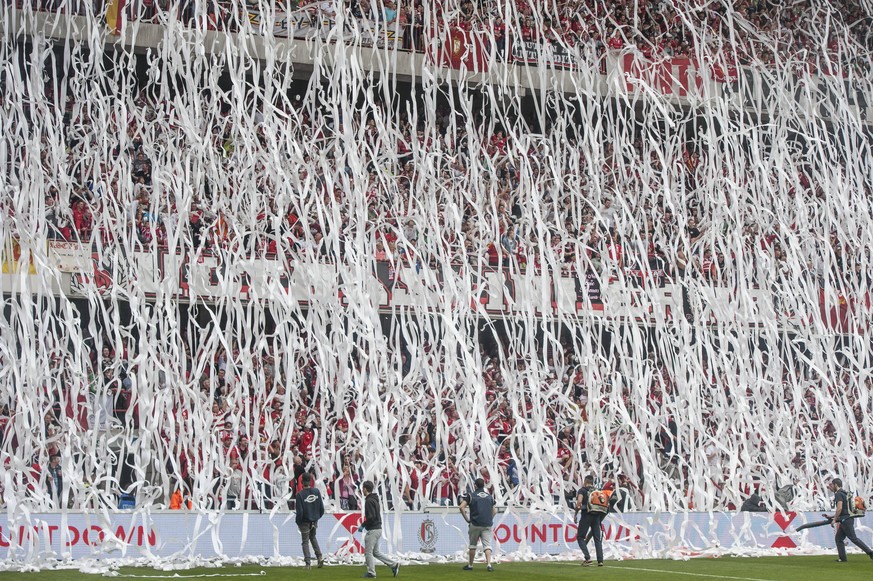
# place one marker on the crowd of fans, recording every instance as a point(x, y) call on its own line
point(231, 415)
point(239, 427)
point(729, 33)
point(272, 413)
point(607, 216)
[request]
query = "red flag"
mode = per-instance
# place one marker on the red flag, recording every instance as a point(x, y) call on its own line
point(844, 314)
point(461, 49)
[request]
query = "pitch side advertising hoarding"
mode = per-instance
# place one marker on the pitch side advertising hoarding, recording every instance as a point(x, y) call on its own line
point(416, 535)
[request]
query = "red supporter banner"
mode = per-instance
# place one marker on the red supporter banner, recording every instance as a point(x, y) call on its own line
point(723, 72)
point(675, 77)
point(463, 50)
point(845, 314)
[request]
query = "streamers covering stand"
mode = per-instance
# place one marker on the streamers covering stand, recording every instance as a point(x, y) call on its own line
point(418, 242)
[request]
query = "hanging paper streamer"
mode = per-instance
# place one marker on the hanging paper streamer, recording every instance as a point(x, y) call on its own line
point(630, 239)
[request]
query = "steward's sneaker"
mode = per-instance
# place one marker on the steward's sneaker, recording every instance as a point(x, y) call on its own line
point(490, 569)
point(368, 575)
point(395, 569)
point(600, 563)
point(842, 560)
point(587, 563)
point(468, 567)
point(320, 562)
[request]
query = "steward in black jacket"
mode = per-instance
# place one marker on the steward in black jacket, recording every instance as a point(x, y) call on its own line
point(309, 507)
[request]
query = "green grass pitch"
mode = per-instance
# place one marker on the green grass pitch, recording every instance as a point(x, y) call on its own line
point(820, 568)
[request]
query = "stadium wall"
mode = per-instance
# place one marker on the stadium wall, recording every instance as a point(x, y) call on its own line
point(625, 75)
point(417, 535)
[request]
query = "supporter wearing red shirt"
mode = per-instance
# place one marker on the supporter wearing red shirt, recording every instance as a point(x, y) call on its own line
point(306, 440)
point(447, 485)
point(82, 219)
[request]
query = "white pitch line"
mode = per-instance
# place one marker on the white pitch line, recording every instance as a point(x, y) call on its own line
point(684, 573)
point(192, 576)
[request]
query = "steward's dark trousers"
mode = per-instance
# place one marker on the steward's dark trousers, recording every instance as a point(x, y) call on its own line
point(307, 533)
point(846, 530)
point(590, 522)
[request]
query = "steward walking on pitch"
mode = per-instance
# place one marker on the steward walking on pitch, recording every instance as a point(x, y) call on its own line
point(844, 523)
point(481, 519)
point(589, 521)
point(309, 507)
point(372, 523)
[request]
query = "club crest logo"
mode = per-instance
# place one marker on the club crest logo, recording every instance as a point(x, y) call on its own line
point(427, 536)
point(457, 47)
